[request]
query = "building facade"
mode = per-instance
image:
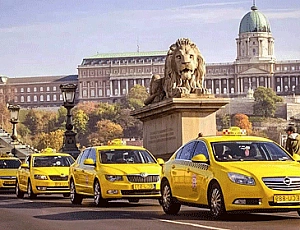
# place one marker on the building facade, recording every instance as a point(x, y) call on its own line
point(109, 77)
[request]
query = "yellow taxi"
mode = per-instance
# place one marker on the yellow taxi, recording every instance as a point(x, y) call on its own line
point(8, 171)
point(232, 172)
point(115, 171)
point(44, 173)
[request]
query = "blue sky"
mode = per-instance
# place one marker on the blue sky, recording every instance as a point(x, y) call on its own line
point(51, 37)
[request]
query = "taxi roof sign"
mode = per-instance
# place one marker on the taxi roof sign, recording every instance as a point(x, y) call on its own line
point(234, 131)
point(48, 150)
point(116, 142)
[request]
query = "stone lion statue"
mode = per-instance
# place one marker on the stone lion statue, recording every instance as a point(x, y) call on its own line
point(184, 72)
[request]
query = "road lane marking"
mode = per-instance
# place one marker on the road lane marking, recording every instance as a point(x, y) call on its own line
point(191, 224)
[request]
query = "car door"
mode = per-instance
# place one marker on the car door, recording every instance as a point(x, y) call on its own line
point(178, 170)
point(79, 174)
point(198, 174)
point(24, 174)
point(89, 172)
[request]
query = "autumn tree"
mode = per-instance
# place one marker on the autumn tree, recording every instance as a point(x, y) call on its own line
point(80, 122)
point(53, 139)
point(136, 97)
point(106, 131)
point(265, 102)
point(242, 121)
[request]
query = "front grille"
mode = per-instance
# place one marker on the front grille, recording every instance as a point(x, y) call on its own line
point(7, 177)
point(282, 183)
point(140, 192)
point(58, 178)
point(143, 179)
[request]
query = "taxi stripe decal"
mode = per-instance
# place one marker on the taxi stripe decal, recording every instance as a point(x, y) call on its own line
point(202, 166)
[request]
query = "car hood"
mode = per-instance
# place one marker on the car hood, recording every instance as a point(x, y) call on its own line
point(266, 169)
point(51, 170)
point(8, 172)
point(124, 169)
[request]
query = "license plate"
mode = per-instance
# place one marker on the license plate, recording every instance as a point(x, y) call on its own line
point(59, 184)
point(9, 182)
point(143, 186)
point(286, 198)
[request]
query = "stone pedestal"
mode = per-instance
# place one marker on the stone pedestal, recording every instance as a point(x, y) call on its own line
point(170, 123)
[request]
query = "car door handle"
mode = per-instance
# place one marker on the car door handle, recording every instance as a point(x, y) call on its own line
point(188, 170)
point(173, 166)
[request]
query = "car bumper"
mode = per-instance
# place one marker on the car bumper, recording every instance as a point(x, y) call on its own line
point(248, 198)
point(116, 190)
point(50, 187)
point(7, 184)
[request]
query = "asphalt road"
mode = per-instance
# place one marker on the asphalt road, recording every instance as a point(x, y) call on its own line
point(53, 212)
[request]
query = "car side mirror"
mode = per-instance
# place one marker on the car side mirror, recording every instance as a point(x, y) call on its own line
point(24, 166)
point(160, 161)
point(89, 161)
point(296, 157)
point(200, 158)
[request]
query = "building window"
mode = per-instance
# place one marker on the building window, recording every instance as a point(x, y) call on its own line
point(42, 98)
point(254, 52)
point(28, 90)
point(92, 93)
point(278, 88)
point(225, 90)
point(108, 92)
point(116, 91)
point(293, 88)
point(293, 67)
point(84, 93)
point(28, 98)
point(48, 97)
point(100, 93)
point(124, 91)
point(34, 98)
point(22, 90)
point(34, 89)
point(278, 68)
point(60, 97)
point(16, 90)
point(54, 88)
point(285, 68)
point(232, 90)
point(48, 88)
point(54, 97)
point(217, 91)
point(41, 89)
point(22, 98)
point(278, 80)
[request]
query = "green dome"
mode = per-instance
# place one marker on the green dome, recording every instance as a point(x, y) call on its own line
point(254, 21)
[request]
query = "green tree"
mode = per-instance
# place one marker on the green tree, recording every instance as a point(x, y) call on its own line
point(80, 122)
point(53, 140)
point(136, 97)
point(265, 102)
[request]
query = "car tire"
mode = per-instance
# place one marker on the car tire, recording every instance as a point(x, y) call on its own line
point(98, 199)
point(74, 197)
point(30, 193)
point(133, 200)
point(169, 204)
point(216, 202)
point(19, 193)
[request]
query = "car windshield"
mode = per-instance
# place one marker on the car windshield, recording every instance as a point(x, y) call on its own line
point(249, 151)
point(9, 164)
point(52, 161)
point(124, 156)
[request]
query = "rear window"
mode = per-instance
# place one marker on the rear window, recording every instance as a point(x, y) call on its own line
point(9, 164)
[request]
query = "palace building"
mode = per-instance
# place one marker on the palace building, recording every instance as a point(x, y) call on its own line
point(109, 77)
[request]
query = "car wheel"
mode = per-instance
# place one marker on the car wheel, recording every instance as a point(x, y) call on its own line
point(169, 204)
point(133, 200)
point(19, 193)
point(98, 200)
point(216, 202)
point(30, 193)
point(74, 197)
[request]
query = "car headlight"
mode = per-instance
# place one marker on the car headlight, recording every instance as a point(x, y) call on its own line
point(40, 177)
point(241, 179)
point(113, 178)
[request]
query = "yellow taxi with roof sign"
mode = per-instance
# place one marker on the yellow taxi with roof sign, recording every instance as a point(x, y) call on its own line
point(232, 172)
point(115, 171)
point(44, 173)
point(8, 170)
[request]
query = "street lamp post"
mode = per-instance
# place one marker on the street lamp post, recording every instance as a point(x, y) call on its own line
point(14, 119)
point(69, 145)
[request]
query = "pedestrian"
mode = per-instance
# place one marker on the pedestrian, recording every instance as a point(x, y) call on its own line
point(293, 141)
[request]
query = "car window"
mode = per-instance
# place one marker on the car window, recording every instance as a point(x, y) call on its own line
point(124, 156)
point(186, 152)
point(201, 148)
point(248, 151)
point(84, 156)
point(9, 164)
point(92, 154)
point(52, 161)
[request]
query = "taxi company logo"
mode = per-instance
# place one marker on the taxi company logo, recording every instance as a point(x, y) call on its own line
point(144, 175)
point(62, 175)
point(287, 181)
